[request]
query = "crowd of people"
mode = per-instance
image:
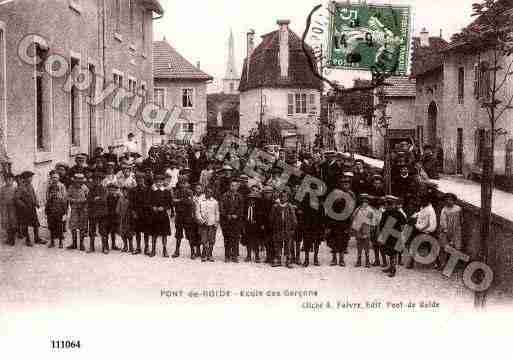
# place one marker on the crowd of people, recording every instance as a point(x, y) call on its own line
point(134, 201)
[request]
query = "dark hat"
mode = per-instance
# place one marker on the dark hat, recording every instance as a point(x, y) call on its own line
point(344, 179)
point(111, 164)
point(330, 153)
point(378, 177)
point(98, 174)
point(268, 189)
point(61, 164)
point(82, 155)
point(358, 160)
point(451, 196)
point(185, 171)
point(348, 174)
point(140, 174)
point(112, 185)
point(390, 198)
point(244, 178)
point(26, 174)
point(227, 168)
point(364, 196)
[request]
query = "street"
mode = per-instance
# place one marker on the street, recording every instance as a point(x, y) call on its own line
point(39, 276)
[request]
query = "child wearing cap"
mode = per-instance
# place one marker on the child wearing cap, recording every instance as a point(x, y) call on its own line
point(8, 217)
point(363, 219)
point(253, 222)
point(208, 217)
point(124, 213)
point(77, 199)
point(97, 210)
point(284, 223)
point(111, 220)
point(160, 202)
point(55, 208)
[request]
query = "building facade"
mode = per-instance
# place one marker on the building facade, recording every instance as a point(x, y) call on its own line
point(180, 84)
point(46, 118)
point(278, 83)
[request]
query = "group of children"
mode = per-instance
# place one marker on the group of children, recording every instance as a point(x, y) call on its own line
point(107, 200)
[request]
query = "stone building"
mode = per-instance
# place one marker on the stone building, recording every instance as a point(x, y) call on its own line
point(427, 70)
point(181, 84)
point(278, 83)
point(45, 119)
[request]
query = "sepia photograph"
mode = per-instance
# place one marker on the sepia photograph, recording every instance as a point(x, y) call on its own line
point(223, 178)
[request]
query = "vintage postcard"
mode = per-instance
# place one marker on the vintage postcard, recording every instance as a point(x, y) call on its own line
point(294, 178)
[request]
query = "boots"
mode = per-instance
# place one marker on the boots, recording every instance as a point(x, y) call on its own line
point(306, 263)
point(367, 262)
point(130, 245)
point(91, 244)
point(164, 247)
point(198, 251)
point(384, 262)
point(177, 250)
point(11, 238)
point(113, 242)
point(138, 244)
point(125, 245)
point(316, 255)
point(358, 261)
point(376, 262)
point(52, 243)
point(288, 263)
point(193, 252)
point(37, 239)
point(61, 240)
point(341, 262)
point(298, 254)
point(334, 259)
point(276, 262)
point(248, 255)
point(204, 254)
point(146, 245)
point(82, 247)
point(73, 244)
point(105, 245)
point(210, 252)
point(257, 255)
point(153, 247)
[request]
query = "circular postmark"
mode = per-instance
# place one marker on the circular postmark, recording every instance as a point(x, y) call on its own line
point(358, 36)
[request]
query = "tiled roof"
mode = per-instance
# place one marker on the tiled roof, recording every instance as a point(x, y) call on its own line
point(427, 59)
point(264, 69)
point(402, 87)
point(169, 64)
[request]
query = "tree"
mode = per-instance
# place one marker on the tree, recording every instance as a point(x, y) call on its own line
point(490, 36)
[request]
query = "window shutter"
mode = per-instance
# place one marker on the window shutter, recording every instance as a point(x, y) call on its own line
point(290, 109)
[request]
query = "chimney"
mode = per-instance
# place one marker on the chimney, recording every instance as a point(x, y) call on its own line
point(424, 38)
point(250, 42)
point(284, 47)
point(198, 65)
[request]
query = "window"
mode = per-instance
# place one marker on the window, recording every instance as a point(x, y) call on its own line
point(312, 104)
point(75, 107)
point(143, 31)
point(3, 84)
point(158, 94)
point(290, 109)
point(300, 103)
point(232, 87)
point(482, 81)
point(187, 95)
point(461, 85)
point(131, 6)
point(188, 127)
point(118, 113)
point(117, 15)
point(91, 109)
point(480, 143)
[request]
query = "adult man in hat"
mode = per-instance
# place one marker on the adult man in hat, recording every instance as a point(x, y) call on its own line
point(253, 222)
point(231, 213)
point(27, 204)
point(268, 199)
point(339, 229)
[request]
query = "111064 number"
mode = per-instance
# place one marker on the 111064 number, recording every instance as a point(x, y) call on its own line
point(65, 344)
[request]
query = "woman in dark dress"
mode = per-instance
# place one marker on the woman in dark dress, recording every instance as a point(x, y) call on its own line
point(160, 201)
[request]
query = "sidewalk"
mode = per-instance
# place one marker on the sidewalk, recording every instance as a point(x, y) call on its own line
point(466, 190)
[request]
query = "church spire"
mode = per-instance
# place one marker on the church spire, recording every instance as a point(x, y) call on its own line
point(231, 71)
point(232, 78)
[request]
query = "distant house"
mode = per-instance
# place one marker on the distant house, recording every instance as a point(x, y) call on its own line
point(400, 110)
point(278, 82)
point(179, 83)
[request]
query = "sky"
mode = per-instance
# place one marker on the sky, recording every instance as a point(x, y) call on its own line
point(199, 29)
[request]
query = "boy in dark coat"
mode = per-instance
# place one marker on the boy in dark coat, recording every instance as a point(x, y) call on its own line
point(253, 224)
point(161, 201)
point(284, 223)
point(8, 209)
point(141, 213)
point(97, 209)
point(231, 212)
point(111, 220)
point(391, 213)
point(267, 204)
